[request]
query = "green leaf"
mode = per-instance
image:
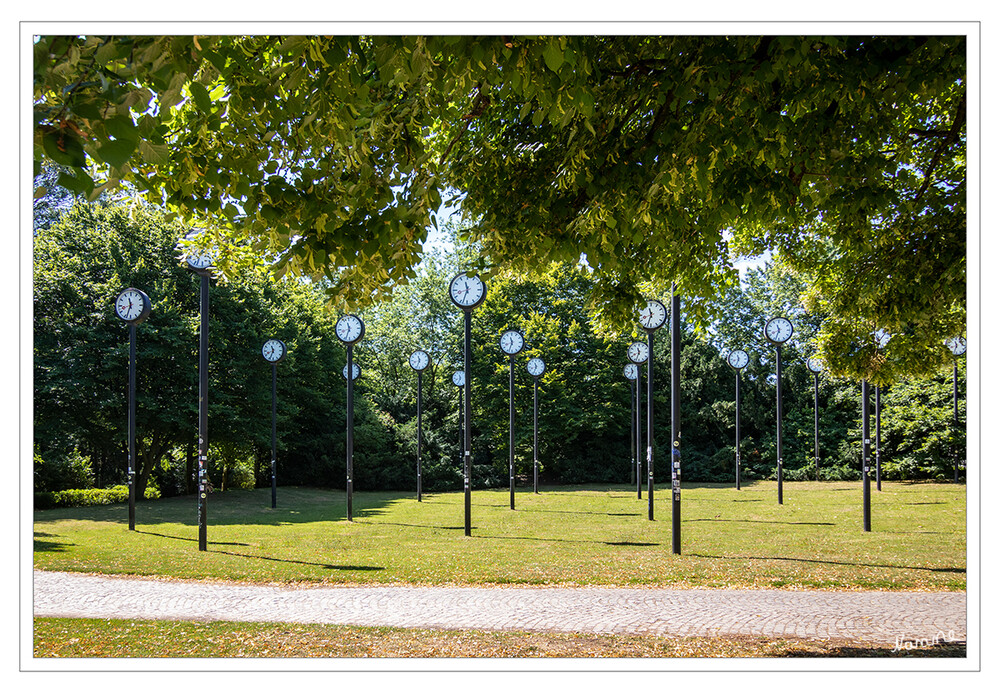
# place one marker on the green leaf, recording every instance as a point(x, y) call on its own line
point(156, 154)
point(122, 128)
point(553, 56)
point(116, 153)
point(201, 97)
point(64, 148)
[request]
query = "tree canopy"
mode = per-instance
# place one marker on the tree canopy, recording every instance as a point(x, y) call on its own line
point(659, 159)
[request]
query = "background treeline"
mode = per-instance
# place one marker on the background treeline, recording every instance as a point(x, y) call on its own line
point(85, 254)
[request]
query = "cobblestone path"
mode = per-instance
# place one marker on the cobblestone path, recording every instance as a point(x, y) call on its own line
point(876, 617)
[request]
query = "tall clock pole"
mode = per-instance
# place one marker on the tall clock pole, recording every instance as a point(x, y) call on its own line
point(777, 366)
point(132, 306)
point(511, 343)
point(273, 352)
point(274, 434)
point(649, 425)
point(652, 317)
point(778, 331)
point(737, 360)
point(739, 377)
point(957, 346)
point(350, 329)
point(814, 365)
point(866, 496)
point(467, 292)
point(511, 439)
point(630, 372)
point(675, 417)
point(535, 446)
point(131, 426)
point(200, 262)
point(468, 423)
point(878, 438)
point(203, 419)
point(420, 388)
point(638, 432)
point(350, 432)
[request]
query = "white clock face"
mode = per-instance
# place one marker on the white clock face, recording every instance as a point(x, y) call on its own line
point(350, 329)
point(631, 371)
point(419, 360)
point(356, 370)
point(130, 304)
point(466, 291)
point(814, 364)
point(200, 259)
point(738, 358)
point(956, 345)
point(653, 315)
point(778, 330)
point(638, 352)
point(536, 367)
point(273, 350)
point(511, 342)
point(458, 378)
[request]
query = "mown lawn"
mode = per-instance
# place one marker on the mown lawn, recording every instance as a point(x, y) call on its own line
point(63, 638)
point(595, 535)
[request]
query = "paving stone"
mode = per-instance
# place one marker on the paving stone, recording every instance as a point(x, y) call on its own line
point(876, 617)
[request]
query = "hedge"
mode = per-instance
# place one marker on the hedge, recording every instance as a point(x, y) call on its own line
point(87, 496)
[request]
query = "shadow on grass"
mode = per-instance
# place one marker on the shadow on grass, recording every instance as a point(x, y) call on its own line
point(372, 521)
point(629, 543)
point(171, 536)
point(328, 566)
point(817, 560)
point(41, 545)
point(951, 649)
point(760, 522)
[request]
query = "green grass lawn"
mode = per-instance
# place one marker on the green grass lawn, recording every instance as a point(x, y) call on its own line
point(578, 535)
point(62, 637)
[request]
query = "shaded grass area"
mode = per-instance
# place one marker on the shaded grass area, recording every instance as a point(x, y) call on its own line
point(98, 638)
point(593, 535)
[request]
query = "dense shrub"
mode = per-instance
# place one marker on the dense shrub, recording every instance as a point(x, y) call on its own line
point(80, 497)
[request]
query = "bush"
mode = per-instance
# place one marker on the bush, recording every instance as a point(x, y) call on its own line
point(71, 470)
point(81, 497)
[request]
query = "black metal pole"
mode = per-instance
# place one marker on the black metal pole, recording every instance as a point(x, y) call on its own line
point(350, 432)
point(420, 387)
point(203, 420)
point(649, 425)
point(274, 435)
point(638, 432)
point(777, 351)
point(866, 499)
point(675, 418)
point(511, 441)
point(631, 426)
point(955, 382)
point(468, 423)
point(536, 435)
point(878, 438)
point(131, 426)
point(816, 422)
point(738, 378)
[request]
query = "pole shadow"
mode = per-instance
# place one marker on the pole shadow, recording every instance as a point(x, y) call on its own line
point(327, 566)
point(817, 560)
point(45, 546)
point(191, 539)
point(760, 522)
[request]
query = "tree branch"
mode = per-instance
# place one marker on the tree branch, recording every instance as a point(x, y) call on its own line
point(950, 139)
